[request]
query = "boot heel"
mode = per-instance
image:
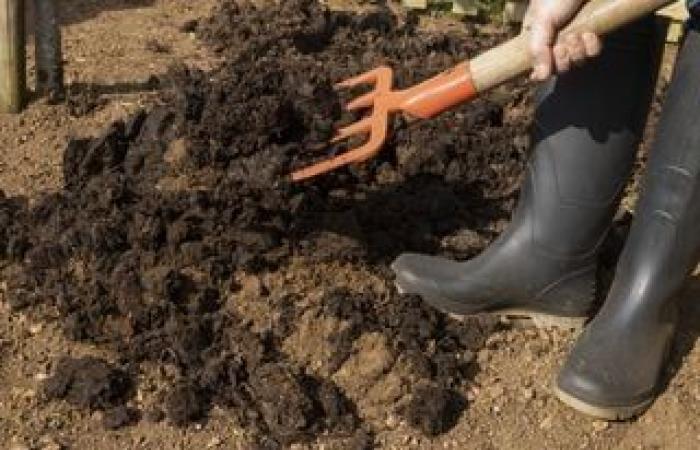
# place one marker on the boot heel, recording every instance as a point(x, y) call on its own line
point(526, 319)
point(564, 304)
point(571, 296)
point(565, 323)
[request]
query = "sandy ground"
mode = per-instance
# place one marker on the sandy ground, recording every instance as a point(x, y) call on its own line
point(110, 54)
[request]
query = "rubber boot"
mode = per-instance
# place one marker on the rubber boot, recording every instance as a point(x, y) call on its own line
point(615, 368)
point(588, 125)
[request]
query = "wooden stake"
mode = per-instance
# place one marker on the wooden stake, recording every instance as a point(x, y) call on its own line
point(47, 43)
point(13, 78)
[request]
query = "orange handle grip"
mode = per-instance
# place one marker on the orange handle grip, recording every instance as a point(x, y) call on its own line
point(438, 94)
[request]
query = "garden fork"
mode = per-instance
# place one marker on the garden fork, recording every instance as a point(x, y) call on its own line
point(461, 83)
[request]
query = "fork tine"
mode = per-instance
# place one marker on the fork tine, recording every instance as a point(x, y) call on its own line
point(353, 156)
point(363, 126)
point(365, 78)
point(374, 125)
point(364, 101)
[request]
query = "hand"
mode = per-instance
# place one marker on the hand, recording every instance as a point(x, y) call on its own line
point(544, 19)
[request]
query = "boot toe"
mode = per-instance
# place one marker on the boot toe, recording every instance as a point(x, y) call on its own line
point(594, 383)
point(422, 275)
point(587, 387)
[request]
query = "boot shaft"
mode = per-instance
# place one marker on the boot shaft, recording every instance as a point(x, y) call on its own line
point(664, 241)
point(587, 129)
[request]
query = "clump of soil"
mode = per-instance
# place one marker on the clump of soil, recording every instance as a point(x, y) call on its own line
point(162, 215)
point(432, 409)
point(119, 417)
point(88, 383)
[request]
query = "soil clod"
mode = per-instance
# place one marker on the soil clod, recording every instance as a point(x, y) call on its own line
point(88, 383)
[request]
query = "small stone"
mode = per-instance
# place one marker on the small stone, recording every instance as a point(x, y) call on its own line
point(528, 394)
point(600, 425)
point(496, 391)
point(41, 376)
point(36, 329)
point(254, 286)
point(176, 153)
point(54, 423)
point(472, 394)
point(493, 341)
point(215, 442)
point(546, 424)
point(505, 321)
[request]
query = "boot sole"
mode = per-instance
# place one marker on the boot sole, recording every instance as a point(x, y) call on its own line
point(612, 413)
point(522, 317)
point(527, 318)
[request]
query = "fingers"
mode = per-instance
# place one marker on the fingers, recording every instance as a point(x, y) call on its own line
point(562, 59)
point(544, 19)
point(575, 49)
point(541, 40)
point(592, 44)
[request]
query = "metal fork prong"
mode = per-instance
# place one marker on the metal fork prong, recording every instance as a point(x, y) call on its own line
point(363, 126)
point(364, 101)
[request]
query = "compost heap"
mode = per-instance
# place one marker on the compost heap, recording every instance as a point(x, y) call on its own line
point(173, 222)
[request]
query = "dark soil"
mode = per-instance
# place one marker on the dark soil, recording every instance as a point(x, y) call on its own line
point(119, 417)
point(88, 383)
point(142, 252)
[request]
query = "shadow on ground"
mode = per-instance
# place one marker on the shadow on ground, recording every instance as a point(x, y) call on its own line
point(76, 11)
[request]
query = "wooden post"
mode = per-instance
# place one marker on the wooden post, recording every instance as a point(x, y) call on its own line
point(13, 78)
point(47, 43)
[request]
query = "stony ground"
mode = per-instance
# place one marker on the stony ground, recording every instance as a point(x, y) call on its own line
point(117, 53)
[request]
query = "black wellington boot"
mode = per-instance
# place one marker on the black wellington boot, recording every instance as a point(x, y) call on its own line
point(587, 129)
point(615, 367)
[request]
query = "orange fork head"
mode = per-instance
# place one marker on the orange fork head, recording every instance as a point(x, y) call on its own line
point(376, 124)
point(422, 101)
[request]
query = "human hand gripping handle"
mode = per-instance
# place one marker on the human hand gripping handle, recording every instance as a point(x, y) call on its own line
point(543, 20)
point(515, 57)
point(488, 70)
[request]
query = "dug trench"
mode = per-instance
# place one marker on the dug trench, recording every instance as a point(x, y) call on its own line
point(178, 241)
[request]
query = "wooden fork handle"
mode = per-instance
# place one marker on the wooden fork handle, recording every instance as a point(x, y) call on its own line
point(514, 58)
point(509, 60)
